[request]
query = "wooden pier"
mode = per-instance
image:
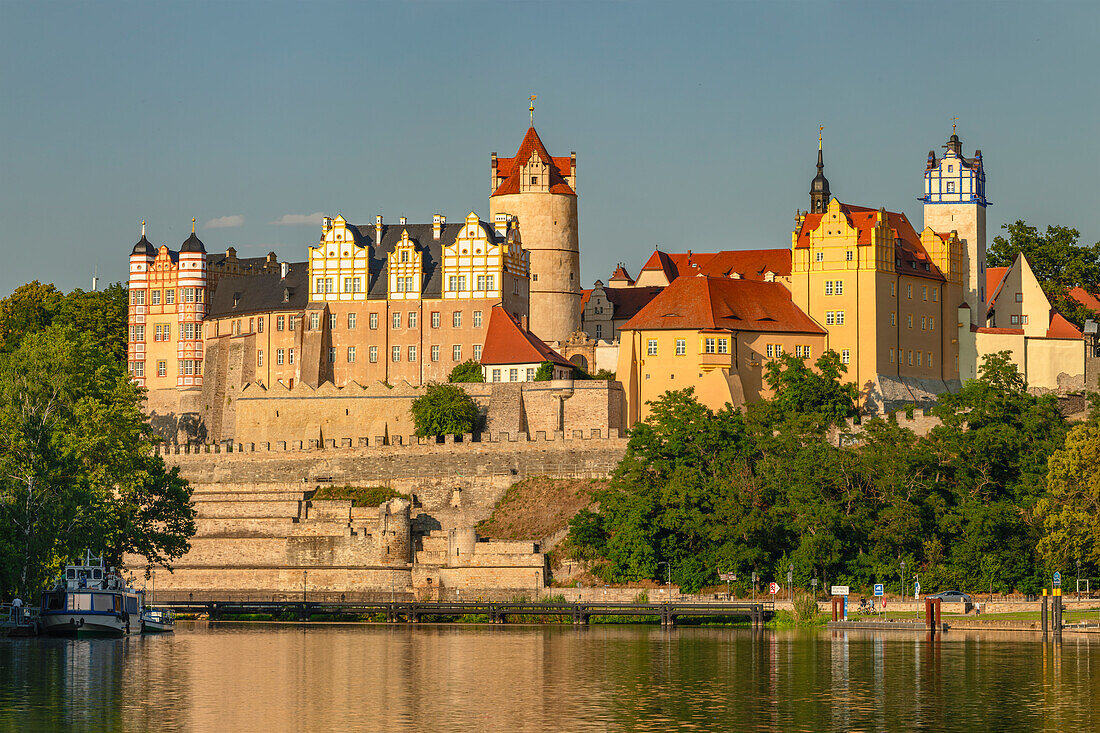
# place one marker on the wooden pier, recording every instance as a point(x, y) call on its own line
point(496, 612)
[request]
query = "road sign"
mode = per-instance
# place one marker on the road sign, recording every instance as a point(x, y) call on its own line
point(916, 589)
point(879, 590)
point(1057, 580)
point(839, 590)
point(773, 588)
point(727, 577)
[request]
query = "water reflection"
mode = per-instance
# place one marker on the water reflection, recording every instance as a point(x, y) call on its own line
point(406, 678)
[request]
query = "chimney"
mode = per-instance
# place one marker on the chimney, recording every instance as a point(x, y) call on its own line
point(284, 268)
point(437, 226)
point(500, 224)
point(378, 229)
point(523, 322)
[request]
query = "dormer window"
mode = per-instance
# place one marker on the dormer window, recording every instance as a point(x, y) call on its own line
point(286, 296)
point(236, 299)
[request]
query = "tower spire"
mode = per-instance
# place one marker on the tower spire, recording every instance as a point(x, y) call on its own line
point(819, 186)
point(192, 225)
point(143, 227)
point(531, 108)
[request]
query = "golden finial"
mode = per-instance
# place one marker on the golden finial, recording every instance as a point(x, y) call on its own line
point(820, 129)
point(531, 109)
point(954, 121)
point(192, 225)
point(143, 227)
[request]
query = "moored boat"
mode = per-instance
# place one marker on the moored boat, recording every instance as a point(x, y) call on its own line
point(90, 599)
point(157, 620)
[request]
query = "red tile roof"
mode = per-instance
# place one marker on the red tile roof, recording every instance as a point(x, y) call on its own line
point(993, 278)
point(908, 250)
point(585, 295)
point(621, 274)
point(1085, 298)
point(722, 303)
point(628, 301)
point(508, 169)
point(506, 342)
point(991, 329)
point(750, 264)
point(1060, 328)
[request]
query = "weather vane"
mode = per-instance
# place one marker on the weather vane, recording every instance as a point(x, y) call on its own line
point(954, 121)
point(820, 129)
point(531, 109)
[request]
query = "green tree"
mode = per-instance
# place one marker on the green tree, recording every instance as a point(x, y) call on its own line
point(1059, 263)
point(29, 309)
point(467, 371)
point(1070, 512)
point(444, 409)
point(103, 314)
point(76, 470)
point(801, 390)
point(545, 372)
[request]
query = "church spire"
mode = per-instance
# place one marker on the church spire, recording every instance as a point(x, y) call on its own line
point(819, 186)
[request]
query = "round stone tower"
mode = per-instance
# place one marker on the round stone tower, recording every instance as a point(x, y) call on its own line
point(395, 532)
point(540, 191)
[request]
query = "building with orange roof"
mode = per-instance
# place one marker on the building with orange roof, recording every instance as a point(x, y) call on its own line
point(715, 334)
point(513, 354)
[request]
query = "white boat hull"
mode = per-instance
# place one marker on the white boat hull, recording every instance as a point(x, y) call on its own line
point(83, 624)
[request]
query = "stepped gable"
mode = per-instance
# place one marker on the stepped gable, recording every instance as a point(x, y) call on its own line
point(910, 256)
point(621, 275)
point(708, 303)
point(243, 294)
point(506, 342)
point(508, 170)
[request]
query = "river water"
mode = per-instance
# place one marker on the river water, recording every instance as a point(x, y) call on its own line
point(259, 677)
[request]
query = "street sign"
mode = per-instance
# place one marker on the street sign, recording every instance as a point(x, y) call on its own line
point(839, 590)
point(1057, 580)
point(916, 589)
point(879, 590)
point(727, 577)
point(773, 588)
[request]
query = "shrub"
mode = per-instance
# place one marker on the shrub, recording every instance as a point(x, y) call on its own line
point(468, 371)
point(443, 409)
point(806, 610)
point(545, 372)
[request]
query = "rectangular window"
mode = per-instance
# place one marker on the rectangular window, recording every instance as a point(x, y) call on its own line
point(918, 358)
point(651, 347)
point(332, 355)
point(351, 321)
point(513, 375)
point(332, 321)
point(893, 289)
point(137, 297)
point(260, 357)
point(396, 317)
point(139, 333)
point(291, 323)
point(830, 318)
point(1023, 320)
point(372, 354)
point(351, 355)
point(456, 319)
point(840, 318)
point(599, 330)
point(681, 347)
point(531, 374)
point(1019, 297)
point(496, 375)
point(373, 321)
point(708, 345)
point(477, 319)
point(412, 353)
point(435, 319)
point(929, 359)
point(251, 325)
point(893, 318)
point(909, 318)
point(490, 282)
point(280, 356)
point(839, 287)
point(328, 285)
point(849, 256)
point(805, 352)
point(188, 295)
point(798, 351)
point(349, 284)
point(456, 352)
point(154, 298)
point(170, 297)
point(477, 352)
point(158, 332)
point(910, 358)
point(770, 351)
point(480, 282)
point(395, 354)
point(924, 292)
point(260, 324)
point(462, 283)
point(162, 369)
point(951, 187)
point(435, 352)
point(923, 323)
point(828, 287)
point(314, 321)
point(779, 349)
point(412, 319)
point(290, 356)
point(909, 290)
point(452, 282)
point(139, 369)
point(1015, 320)
point(723, 346)
point(845, 356)
point(819, 256)
point(931, 323)
point(891, 355)
point(935, 294)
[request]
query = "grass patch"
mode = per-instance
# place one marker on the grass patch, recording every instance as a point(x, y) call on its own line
point(358, 495)
point(538, 507)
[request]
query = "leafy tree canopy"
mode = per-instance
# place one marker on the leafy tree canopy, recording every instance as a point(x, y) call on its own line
point(35, 306)
point(444, 409)
point(800, 390)
point(467, 371)
point(545, 372)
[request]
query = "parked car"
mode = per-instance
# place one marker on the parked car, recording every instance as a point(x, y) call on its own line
point(953, 596)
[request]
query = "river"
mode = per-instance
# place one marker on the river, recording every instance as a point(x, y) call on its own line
point(259, 677)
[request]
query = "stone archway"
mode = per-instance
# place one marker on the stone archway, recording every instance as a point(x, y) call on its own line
point(579, 360)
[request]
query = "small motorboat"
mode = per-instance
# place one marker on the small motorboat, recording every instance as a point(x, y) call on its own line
point(90, 599)
point(157, 620)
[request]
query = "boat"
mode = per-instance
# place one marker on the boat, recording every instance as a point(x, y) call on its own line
point(157, 620)
point(90, 599)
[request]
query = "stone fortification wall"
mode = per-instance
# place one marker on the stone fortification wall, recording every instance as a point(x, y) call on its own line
point(377, 413)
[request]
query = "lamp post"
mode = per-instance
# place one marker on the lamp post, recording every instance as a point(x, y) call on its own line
point(813, 584)
point(902, 578)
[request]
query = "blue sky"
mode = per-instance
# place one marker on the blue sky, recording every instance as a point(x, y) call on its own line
point(694, 124)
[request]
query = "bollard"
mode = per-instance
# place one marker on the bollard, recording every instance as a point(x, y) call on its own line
point(1043, 612)
point(1058, 614)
